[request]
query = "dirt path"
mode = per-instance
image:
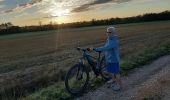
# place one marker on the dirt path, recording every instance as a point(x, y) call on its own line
point(150, 82)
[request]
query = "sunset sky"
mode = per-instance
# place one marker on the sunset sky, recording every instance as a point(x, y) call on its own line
point(30, 12)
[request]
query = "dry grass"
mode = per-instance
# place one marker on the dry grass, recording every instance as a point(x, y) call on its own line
point(27, 51)
point(40, 60)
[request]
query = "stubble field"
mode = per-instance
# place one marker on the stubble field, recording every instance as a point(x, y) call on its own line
point(31, 61)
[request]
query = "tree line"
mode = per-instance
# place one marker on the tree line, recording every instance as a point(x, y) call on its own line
point(9, 28)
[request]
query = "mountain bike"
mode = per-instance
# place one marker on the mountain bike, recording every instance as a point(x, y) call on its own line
point(77, 77)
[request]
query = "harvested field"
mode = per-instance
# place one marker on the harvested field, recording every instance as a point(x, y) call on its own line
point(39, 59)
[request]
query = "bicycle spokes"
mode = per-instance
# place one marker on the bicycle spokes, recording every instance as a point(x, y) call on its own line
point(77, 79)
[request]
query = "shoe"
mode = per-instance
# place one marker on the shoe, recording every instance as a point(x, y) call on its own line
point(110, 83)
point(116, 87)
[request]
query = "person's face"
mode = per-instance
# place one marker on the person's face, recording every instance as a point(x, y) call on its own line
point(109, 34)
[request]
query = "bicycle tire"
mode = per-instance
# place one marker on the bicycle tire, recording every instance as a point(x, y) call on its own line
point(81, 90)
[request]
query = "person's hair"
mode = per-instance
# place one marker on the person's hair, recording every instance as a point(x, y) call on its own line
point(111, 30)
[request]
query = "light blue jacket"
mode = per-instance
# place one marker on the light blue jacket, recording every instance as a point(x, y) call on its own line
point(111, 49)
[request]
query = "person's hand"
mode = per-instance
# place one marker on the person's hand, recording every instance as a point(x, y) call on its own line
point(90, 49)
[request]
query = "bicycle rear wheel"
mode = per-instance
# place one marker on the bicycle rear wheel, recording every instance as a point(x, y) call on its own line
point(76, 79)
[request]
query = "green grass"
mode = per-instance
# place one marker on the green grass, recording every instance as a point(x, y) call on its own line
point(154, 97)
point(21, 35)
point(58, 92)
point(39, 33)
point(54, 92)
point(145, 57)
point(140, 44)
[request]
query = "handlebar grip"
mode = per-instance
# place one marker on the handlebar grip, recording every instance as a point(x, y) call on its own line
point(78, 48)
point(88, 49)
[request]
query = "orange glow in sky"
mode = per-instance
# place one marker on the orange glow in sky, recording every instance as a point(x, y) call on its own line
point(30, 12)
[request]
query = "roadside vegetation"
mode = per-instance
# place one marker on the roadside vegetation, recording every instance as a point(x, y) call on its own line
point(58, 92)
point(145, 57)
point(36, 70)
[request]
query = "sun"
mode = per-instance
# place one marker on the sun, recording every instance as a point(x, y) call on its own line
point(57, 11)
point(60, 15)
point(60, 12)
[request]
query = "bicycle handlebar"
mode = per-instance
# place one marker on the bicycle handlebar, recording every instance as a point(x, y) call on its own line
point(80, 49)
point(86, 49)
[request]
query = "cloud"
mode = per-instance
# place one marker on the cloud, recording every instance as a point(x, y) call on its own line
point(22, 7)
point(21, 15)
point(50, 16)
point(89, 6)
point(1, 1)
point(53, 5)
point(1, 6)
point(57, 7)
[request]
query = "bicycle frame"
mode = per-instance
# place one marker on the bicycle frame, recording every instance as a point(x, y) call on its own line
point(92, 63)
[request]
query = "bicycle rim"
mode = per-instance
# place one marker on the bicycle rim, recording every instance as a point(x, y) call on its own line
point(76, 79)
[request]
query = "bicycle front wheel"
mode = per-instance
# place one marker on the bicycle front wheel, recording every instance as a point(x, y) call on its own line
point(76, 79)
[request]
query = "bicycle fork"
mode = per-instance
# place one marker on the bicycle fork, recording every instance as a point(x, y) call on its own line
point(79, 75)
